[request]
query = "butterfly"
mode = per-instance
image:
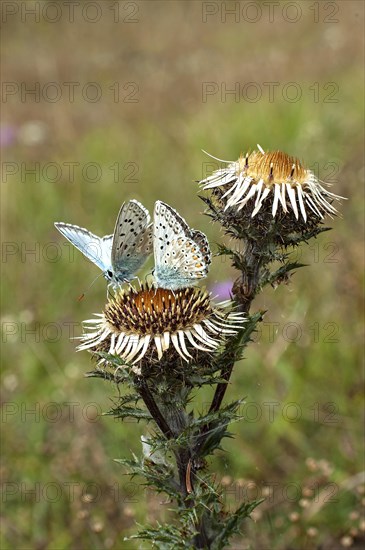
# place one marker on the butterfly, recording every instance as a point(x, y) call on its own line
point(182, 255)
point(120, 255)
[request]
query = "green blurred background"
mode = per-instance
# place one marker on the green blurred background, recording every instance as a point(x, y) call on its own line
point(126, 94)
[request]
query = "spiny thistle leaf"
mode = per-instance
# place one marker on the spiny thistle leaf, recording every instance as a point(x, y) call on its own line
point(232, 524)
point(233, 350)
point(129, 398)
point(160, 476)
point(169, 535)
point(296, 238)
point(237, 257)
point(281, 274)
point(212, 438)
point(106, 375)
point(226, 413)
point(129, 412)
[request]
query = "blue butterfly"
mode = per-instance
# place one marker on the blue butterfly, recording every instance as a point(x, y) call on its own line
point(182, 255)
point(122, 254)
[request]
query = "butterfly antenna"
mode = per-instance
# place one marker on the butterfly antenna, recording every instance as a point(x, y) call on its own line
point(82, 296)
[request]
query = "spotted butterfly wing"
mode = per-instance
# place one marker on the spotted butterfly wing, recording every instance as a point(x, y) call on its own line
point(120, 255)
point(202, 241)
point(181, 257)
point(132, 241)
point(198, 236)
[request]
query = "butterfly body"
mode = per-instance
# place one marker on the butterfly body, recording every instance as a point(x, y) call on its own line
point(182, 255)
point(122, 254)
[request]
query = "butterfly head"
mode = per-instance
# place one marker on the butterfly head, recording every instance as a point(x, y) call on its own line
point(119, 277)
point(109, 275)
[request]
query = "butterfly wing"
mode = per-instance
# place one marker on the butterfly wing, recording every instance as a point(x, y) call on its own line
point(132, 240)
point(183, 226)
point(179, 261)
point(196, 235)
point(93, 247)
point(202, 241)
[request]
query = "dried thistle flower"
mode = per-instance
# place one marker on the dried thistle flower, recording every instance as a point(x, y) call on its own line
point(137, 321)
point(275, 179)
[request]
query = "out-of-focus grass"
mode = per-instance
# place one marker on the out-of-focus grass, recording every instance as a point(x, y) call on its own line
point(307, 360)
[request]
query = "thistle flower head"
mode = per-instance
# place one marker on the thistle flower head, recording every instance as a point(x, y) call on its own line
point(272, 181)
point(148, 323)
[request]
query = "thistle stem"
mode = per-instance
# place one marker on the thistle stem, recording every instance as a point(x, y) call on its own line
point(182, 455)
point(152, 407)
point(221, 388)
point(226, 372)
point(244, 291)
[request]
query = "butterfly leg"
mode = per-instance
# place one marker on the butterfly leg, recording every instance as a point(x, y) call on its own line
point(146, 281)
point(109, 293)
point(129, 283)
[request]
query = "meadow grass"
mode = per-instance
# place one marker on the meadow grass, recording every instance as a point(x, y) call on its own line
point(302, 377)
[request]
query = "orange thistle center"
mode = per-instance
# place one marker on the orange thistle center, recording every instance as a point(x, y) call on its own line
point(154, 311)
point(155, 299)
point(272, 167)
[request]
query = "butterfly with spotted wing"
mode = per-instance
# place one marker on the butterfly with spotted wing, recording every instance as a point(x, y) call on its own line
point(182, 255)
point(122, 254)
